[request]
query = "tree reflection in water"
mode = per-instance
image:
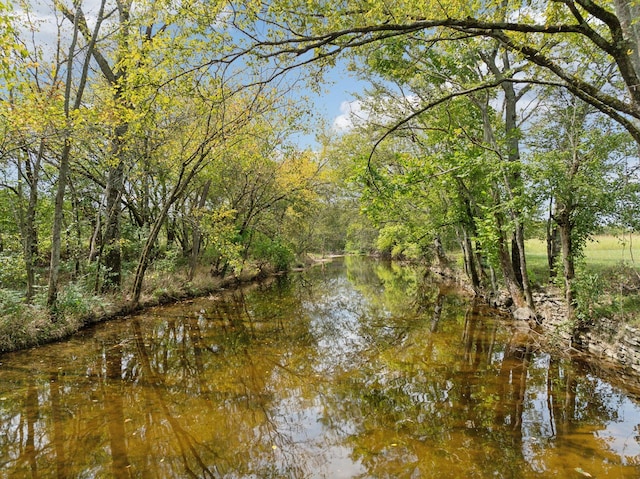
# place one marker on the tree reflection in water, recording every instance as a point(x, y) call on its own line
point(361, 369)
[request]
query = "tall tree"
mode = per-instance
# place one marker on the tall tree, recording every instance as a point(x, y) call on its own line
point(71, 105)
point(579, 163)
point(115, 73)
point(24, 132)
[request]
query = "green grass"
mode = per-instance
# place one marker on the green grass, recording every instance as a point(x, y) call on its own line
point(537, 264)
point(608, 278)
point(608, 251)
point(604, 252)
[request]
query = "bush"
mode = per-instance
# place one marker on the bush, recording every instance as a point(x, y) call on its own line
point(12, 273)
point(588, 290)
point(11, 303)
point(168, 262)
point(74, 303)
point(71, 300)
point(273, 251)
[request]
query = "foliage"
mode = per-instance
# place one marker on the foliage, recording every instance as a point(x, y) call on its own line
point(589, 288)
point(12, 273)
point(75, 302)
point(273, 251)
point(361, 235)
point(11, 304)
point(396, 241)
point(225, 247)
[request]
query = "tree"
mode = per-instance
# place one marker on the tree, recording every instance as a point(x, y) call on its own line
point(24, 133)
point(302, 34)
point(72, 102)
point(579, 164)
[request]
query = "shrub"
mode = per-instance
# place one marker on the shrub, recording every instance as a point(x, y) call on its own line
point(588, 290)
point(272, 251)
point(11, 303)
point(12, 273)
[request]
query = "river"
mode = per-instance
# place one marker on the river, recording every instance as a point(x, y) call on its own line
point(353, 369)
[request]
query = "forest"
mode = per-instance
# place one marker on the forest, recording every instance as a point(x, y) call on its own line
point(150, 148)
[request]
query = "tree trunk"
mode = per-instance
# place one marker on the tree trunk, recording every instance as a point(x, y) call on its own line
point(143, 262)
point(28, 221)
point(628, 12)
point(522, 265)
point(56, 235)
point(474, 266)
point(64, 167)
point(515, 259)
point(32, 247)
point(568, 263)
point(110, 246)
point(506, 265)
point(512, 179)
point(112, 259)
point(553, 248)
point(514, 182)
point(469, 260)
point(553, 243)
point(195, 250)
point(95, 245)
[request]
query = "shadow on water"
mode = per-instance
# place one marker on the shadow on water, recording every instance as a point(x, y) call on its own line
point(352, 369)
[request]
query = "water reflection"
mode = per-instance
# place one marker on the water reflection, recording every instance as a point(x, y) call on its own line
point(359, 369)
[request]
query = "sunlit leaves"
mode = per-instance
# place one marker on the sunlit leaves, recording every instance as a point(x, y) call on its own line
point(12, 51)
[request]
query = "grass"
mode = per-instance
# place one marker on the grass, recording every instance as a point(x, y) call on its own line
point(609, 251)
point(603, 253)
point(608, 278)
point(27, 325)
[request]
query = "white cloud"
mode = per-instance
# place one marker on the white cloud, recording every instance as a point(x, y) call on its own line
point(381, 111)
point(350, 113)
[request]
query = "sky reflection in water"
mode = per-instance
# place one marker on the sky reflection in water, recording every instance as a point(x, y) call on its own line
point(353, 369)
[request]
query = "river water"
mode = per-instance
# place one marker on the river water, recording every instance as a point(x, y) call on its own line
point(356, 369)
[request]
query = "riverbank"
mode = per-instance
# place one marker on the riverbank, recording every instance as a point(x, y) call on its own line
point(31, 325)
point(605, 343)
point(611, 342)
point(609, 339)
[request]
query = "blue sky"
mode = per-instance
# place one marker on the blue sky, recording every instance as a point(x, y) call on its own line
point(332, 105)
point(335, 103)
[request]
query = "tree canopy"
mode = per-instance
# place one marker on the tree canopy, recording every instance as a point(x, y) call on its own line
point(145, 140)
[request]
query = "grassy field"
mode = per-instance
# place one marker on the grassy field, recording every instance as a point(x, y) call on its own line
point(602, 253)
point(609, 284)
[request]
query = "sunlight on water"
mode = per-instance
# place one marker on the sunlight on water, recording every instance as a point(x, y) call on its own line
point(352, 369)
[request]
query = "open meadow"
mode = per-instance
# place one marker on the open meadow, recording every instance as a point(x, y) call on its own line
point(602, 253)
point(608, 281)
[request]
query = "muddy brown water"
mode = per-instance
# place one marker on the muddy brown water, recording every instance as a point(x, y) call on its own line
point(356, 369)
